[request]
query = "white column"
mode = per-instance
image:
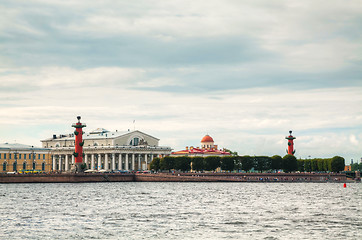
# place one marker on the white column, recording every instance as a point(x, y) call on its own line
point(99, 161)
point(54, 163)
point(113, 161)
point(127, 164)
point(66, 163)
point(92, 162)
point(60, 162)
point(73, 159)
point(120, 161)
point(86, 159)
point(139, 162)
point(106, 161)
point(133, 162)
point(146, 162)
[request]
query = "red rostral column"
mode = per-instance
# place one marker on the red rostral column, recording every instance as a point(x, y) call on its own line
point(78, 152)
point(290, 138)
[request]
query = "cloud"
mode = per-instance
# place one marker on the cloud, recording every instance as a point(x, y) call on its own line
point(245, 72)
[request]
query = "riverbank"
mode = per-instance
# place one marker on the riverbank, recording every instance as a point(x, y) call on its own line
point(172, 177)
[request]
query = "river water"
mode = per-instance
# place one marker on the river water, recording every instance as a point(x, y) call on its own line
point(145, 210)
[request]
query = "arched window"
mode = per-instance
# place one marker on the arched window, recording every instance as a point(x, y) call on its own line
point(34, 164)
point(4, 166)
point(57, 145)
point(24, 165)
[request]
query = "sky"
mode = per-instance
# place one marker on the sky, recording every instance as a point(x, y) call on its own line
point(243, 71)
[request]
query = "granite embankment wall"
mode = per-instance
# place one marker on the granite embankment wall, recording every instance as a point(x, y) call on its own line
point(65, 178)
point(241, 177)
point(172, 177)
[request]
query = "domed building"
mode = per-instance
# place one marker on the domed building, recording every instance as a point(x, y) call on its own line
point(207, 148)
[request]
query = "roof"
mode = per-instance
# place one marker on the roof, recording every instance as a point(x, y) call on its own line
point(200, 151)
point(207, 138)
point(18, 146)
point(99, 133)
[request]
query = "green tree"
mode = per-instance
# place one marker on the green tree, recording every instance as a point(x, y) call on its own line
point(337, 164)
point(356, 166)
point(197, 163)
point(211, 163)
point(262, 163)
point(238, 163)
point(231, 152)
point(300, 164)
point(307, 165)
point(289, 163)
point(247, 163)
point(167, 163)
point(321, 165)
point(276, 162)
point(182, 163)
point(314, 165)
point(228, 163)
point(155, 164)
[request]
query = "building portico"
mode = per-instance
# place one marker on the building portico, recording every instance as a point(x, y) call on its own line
point(120, 156)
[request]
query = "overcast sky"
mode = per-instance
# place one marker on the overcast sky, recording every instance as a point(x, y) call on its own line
point(244, 72)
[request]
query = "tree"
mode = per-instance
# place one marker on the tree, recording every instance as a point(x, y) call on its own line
point(300, 165)
point(238, 163)
point(197, 163)
point(211, 163)
point(155, 164)
point(356, 166)
point(167, 163)
point(246, 163)
point(289, 163)
point(228, 163)
point(314, 165)
point(231, 152)
point(276, 162)
point(182, 163)
point(307, 165)
point(337, 164)
point(262, 163)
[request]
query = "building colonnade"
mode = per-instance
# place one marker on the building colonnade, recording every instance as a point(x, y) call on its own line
point(106, 161)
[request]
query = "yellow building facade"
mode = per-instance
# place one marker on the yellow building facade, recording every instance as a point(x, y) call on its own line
point(22, 158)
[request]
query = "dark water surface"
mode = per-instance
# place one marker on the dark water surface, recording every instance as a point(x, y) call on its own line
point(135, 210)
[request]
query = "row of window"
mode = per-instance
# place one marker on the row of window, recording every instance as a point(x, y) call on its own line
point(21, 156)
point(15, 166)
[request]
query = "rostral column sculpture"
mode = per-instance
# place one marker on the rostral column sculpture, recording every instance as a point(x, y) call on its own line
point(78, 152)
point(290, 138)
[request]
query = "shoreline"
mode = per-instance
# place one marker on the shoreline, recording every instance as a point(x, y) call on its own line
point(173, 177)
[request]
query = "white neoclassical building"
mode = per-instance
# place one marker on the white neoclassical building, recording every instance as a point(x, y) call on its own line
point(105, 150)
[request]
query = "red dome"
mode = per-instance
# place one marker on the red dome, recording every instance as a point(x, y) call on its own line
point(207, 138)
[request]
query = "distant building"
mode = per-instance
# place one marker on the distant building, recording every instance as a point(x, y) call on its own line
point(347, 168)
point(15, 157)
point(207, 148)
point(105, 150)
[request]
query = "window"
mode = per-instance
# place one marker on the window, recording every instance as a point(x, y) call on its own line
point(14, 167)
point(24, 165)
point(29, 155)
point(4, 166)
point(19, 155)
point(9, 155)
point(0, 155)
point(24, 156)
point(43, 166)
point(4, 155)
point(43, 156)
point(34, 165)
point(38, 156)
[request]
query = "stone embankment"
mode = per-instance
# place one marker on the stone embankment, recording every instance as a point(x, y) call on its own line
point(172, 177)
